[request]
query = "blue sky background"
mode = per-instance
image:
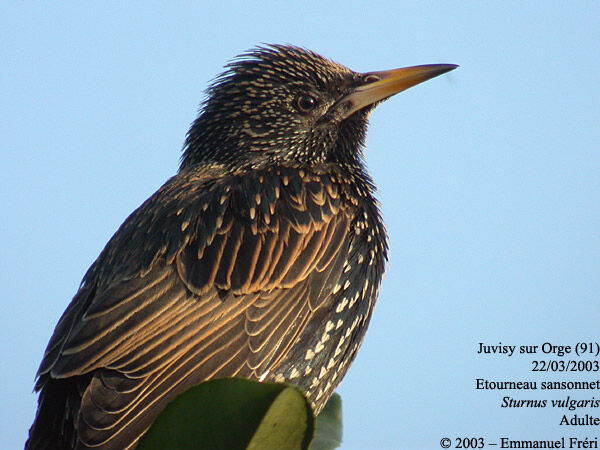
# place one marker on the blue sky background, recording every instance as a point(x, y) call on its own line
point(489, 179)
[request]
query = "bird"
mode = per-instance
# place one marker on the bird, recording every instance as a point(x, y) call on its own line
point(261, 258)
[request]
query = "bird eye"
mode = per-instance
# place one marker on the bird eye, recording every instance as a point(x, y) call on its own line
point(305, 103)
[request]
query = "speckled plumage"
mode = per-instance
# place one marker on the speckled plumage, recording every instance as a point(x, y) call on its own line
point(261, 258)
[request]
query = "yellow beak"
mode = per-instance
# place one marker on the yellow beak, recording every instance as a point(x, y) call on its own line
point(381, 85)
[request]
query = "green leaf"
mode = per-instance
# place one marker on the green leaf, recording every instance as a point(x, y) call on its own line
point(328, 432)
point(233, 413)
point(288, 423)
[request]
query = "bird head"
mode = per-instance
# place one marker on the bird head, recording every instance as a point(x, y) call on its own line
point(284, 104)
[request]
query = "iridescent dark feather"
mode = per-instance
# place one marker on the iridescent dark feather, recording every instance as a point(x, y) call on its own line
point(227, 292)
point(261, 258)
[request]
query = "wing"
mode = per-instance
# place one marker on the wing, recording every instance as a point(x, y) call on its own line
point(213, 276)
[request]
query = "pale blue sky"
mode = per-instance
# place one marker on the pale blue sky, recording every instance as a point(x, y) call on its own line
point(489, 179)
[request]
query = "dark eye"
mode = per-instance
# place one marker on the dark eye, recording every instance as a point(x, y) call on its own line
point(305, 103)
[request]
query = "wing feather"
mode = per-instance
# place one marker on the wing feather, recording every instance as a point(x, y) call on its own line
point(227, 295)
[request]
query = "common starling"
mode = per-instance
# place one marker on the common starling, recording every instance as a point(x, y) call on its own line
point(261, 258)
